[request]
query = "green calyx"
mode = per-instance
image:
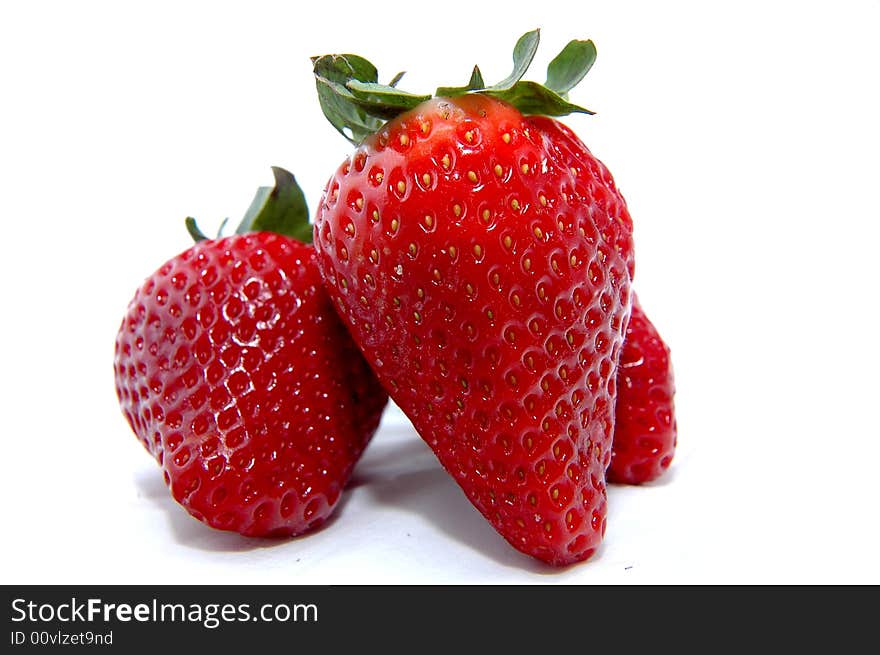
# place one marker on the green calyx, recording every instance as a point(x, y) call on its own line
point(281, 209)
point(357, 105)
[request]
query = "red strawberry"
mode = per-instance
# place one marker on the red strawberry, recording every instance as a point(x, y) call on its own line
point(645, 430)
point(481, 259)
point(234, 371)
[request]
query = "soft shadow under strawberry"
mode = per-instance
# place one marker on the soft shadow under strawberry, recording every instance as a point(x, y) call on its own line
point(425, 489)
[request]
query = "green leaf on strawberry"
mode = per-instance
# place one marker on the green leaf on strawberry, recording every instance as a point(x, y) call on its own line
point(534, 98)
point(474, 84)
point(281, 209)
point(570, 66)
point(523, 54)
point(357, 105)
point(338, 103)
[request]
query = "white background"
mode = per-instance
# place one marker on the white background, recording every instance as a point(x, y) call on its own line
point(745, 139)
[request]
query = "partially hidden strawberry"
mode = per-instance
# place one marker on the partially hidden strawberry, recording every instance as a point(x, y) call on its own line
point(236, 374)
point(645, 431)
point(481, 258)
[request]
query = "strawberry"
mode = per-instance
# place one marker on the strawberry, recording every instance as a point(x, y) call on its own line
point(234, 371)
point(645, 430)
point(481, 258)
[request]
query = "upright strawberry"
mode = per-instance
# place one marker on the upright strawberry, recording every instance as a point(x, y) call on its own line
point(645, 431)
point(234, 371)
point(481, 258)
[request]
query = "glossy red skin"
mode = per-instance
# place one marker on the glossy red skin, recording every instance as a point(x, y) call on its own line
point(236, 374)
point(498, 338)
point(645, 434)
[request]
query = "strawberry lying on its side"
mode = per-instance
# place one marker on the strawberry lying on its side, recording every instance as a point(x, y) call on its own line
point(645, 431)
point(234, 371)
point(482, 259)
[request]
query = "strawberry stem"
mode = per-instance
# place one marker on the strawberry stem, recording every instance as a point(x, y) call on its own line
point(357, 105)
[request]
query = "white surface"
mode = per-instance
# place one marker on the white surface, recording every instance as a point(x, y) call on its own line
point(745, 139)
